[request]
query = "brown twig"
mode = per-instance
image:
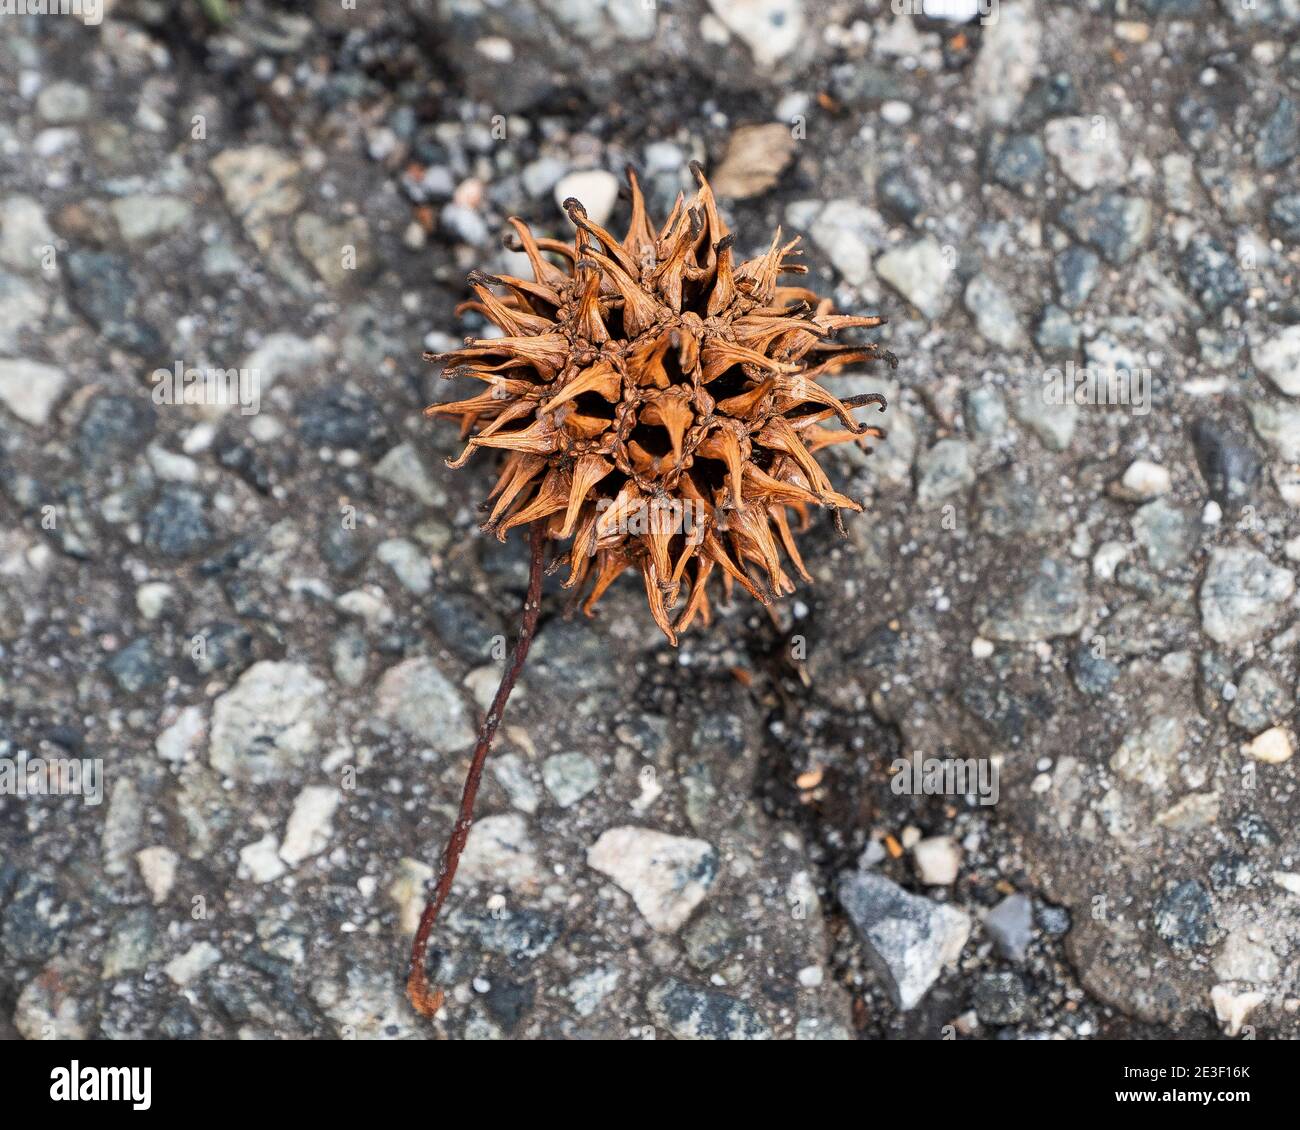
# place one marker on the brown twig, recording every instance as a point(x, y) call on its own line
point(424, 1000)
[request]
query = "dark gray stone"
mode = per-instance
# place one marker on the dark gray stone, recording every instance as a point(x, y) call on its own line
point(1054, 920)
point(1017, 162)
point(1010, 504)
point(1116, 224)
point(37, 920)
point(1037, 600)
point(1057, 333)
point(1000, 998)
point(898, 195)
point(1279, 140)
point(343, 549)
point(1011, 926)
point(1284, 216)
point(1184, 916)
point(225, 647)
point(1227, 462)
point(508, 1002)
point(1053, 96)
point(341, 418)
point(1196, 120)
point(692, 1013)
point(1211, 273)
point(1077, 270)
point(114, 429)
point(1093, 674)
point(909, 939)
point(135, 667)
point(176, 526)
point(1260, 701)
point(104, 291)
point(464, 625)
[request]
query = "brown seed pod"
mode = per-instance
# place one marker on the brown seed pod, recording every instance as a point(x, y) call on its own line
point(660, 405)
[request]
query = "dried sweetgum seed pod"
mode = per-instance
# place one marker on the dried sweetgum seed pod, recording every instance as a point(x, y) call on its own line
point(660, 405)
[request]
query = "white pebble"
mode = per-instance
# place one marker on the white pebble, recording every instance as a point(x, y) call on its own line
point(158, 870)
point(153, 597)
point(260, 861)
point(595, 189)
point(896, 113)
point(1273, 747)
point(309, 829)
point(1145, 480)
point(937, 860)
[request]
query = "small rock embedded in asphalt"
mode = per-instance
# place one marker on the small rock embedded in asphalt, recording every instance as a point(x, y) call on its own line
point(945, 470)
point(268, 723)
point(1011, 926)
point(1227, 463)
point(176, 525)
point(919, 272)
point(1077, 270)
point(1278, 358)
point(1087, 151)
point(424, 704)
point(910, 939)
point(1056, 331)
point(691, 1013)
point(995, 317)
point(1211, 274)
point(30, 390)
point(1040, 601)
point(938, 860)
point(1165, 532)
point(403, 468)
point(1018, 162)
point(1115, 224)
point(1273, 747)
point(1260, 701)
point(667, 876)
point(1093, 674)
point(1242, 594)
point(1144, 480)
point(500, 851)
point(569, 777)
point(1000, 998)
point(136, 667)
point(1184, 916)
point(848, 233)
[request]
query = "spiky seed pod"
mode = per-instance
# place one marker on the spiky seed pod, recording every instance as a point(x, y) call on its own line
point(659, 405)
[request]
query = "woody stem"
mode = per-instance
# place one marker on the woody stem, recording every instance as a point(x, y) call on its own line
point(424, 1000)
